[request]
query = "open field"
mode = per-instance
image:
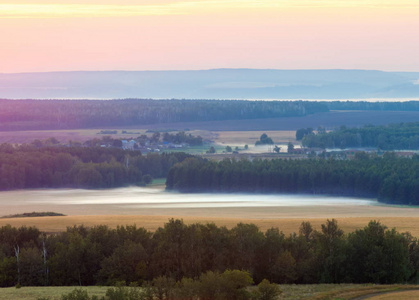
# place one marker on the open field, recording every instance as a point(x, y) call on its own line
point(290, 292)
point(77, 135)
point(240, 138)
point(329, 120)
point(153, 200)
point(33, 293)
point(407, 295)
point(151, 207)
point(58, 224)
point(220, 138)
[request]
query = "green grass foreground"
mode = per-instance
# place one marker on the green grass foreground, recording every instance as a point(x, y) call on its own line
point(54, 292)
point(290, 292)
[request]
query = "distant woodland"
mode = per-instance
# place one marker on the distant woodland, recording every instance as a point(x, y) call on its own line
point(203, 259)
point(365, 105)
point(78, 114)
point(65, 114)
point(390, 179)
point(390, 137)
point(26, 167)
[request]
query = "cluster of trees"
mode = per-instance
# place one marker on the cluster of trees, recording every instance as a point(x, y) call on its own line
point(182, 138)
point(59, 114)
point(302, 132)
point(191, 253)
point(390, 179)
point(264, 140)
point(388, 137)
point(26, 166)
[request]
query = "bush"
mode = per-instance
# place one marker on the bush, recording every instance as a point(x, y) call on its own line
point(124, 293)
point(234, 284)
point(79, 294)
point(266, 291)
point(231, 285)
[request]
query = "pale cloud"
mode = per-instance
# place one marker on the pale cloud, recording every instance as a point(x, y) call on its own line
point(111, 8)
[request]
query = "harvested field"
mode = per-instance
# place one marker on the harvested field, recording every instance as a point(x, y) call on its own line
point(59, 224)
point(82, 135)
point(151, 207)
point(240, 138)
point(407, 295)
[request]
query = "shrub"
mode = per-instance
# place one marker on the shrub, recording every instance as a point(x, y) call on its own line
point(79, 294)
point(124, 293)
point(266, 291)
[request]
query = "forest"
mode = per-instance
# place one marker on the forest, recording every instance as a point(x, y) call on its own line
point(71, 114)
point(78, 114)
point(178, 252)
point(389, 137)
point(27, 166)
point(389, 179)
point(378, 105)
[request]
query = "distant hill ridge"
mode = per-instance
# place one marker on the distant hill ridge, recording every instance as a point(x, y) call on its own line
point(212, 84)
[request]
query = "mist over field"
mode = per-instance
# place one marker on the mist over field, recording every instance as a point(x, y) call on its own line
point(213, 84)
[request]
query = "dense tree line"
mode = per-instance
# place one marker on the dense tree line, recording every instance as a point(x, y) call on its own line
point(64, 114)
point(180, 252)
point(26, 166)
point(390, 179)
point(59, 114)
point(366, 105)
point(388, 137)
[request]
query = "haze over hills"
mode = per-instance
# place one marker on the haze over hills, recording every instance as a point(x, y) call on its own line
point(212, 84)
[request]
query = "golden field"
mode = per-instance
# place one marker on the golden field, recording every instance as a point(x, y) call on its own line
point(290, 225)
point(407, 295)
point(234, 138)
point(239, 138)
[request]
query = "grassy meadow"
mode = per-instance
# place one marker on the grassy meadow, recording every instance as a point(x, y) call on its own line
point(289, 292)
point(33, 293)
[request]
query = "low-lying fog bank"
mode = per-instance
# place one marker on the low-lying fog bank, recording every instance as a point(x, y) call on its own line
point(155, 201)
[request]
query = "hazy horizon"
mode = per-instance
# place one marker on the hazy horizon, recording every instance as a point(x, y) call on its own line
point(214, 69)
point(212, 84)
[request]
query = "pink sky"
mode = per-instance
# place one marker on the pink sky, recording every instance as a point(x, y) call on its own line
point(37, 36)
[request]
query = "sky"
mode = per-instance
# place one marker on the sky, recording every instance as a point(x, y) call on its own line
point(93, 35)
